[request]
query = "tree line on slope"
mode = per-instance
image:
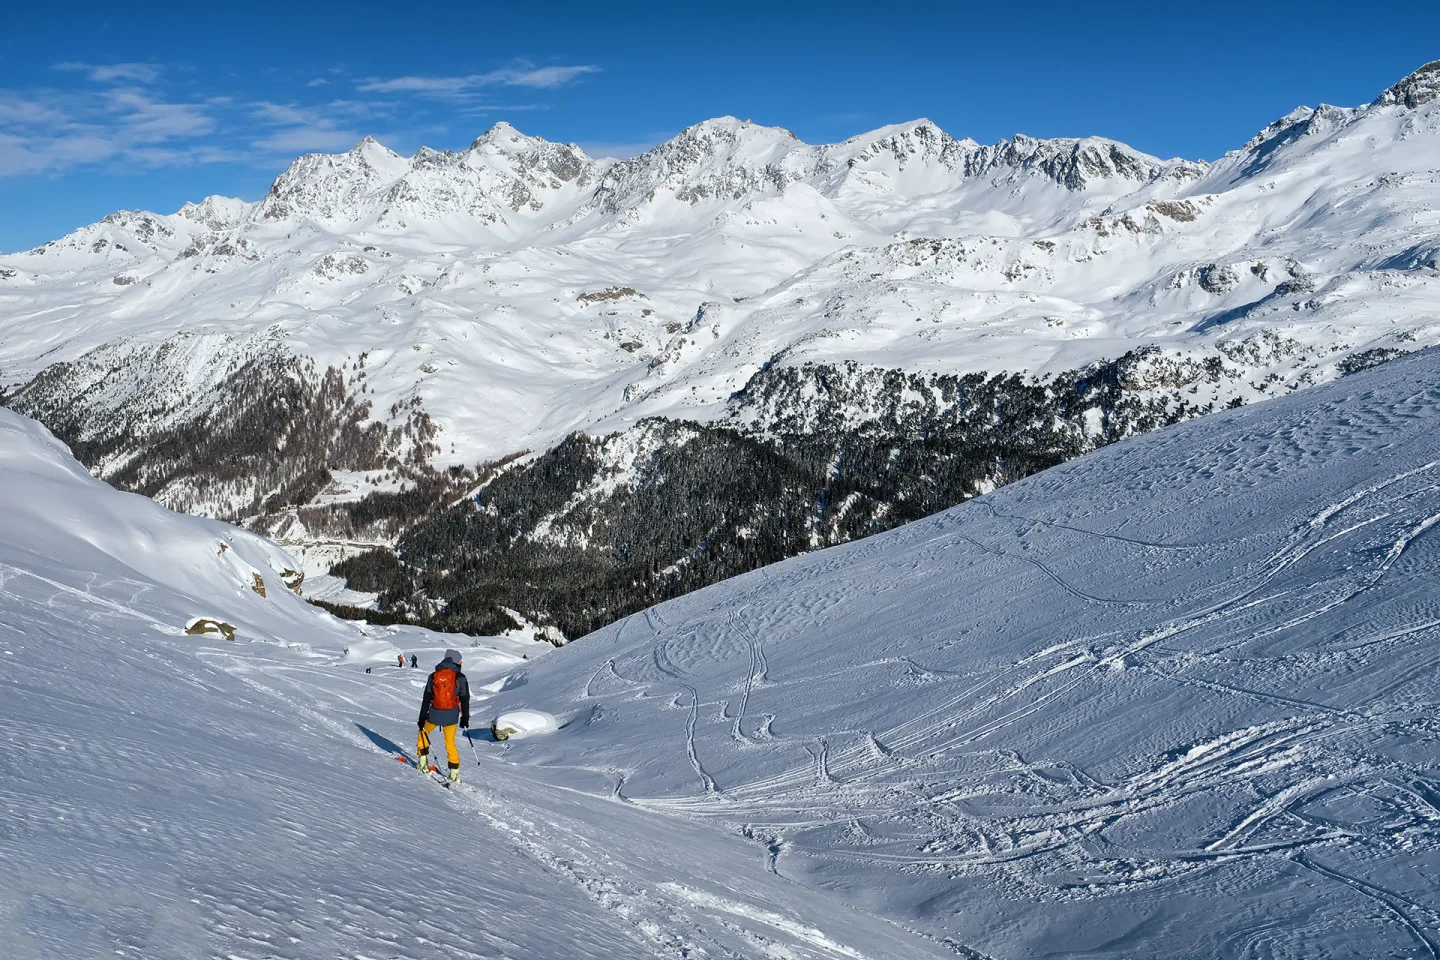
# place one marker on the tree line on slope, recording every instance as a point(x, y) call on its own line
point(552, 541)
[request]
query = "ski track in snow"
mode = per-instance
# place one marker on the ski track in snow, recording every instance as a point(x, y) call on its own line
point(657, 913)
point(661, 920)
point(1314, 600)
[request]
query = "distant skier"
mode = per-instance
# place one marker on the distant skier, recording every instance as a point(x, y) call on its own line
point(414, 661)
point(446, 703)
point(400, 660)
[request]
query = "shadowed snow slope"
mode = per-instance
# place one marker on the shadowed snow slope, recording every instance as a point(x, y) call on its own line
point(1177, 698)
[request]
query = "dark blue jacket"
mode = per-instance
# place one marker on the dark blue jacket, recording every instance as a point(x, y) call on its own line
point(444, 718)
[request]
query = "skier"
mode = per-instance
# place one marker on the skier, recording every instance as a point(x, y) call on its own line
point(446, 703)
point(414, 661)
point(400, 660)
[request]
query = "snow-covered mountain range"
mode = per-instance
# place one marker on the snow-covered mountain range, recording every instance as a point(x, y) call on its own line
point(393, 325)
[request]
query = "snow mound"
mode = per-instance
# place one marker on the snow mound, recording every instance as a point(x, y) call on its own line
point(519, 724)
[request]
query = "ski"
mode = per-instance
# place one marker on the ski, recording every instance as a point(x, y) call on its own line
point(432, 773)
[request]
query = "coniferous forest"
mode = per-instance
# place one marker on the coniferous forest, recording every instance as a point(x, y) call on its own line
point(595, 528)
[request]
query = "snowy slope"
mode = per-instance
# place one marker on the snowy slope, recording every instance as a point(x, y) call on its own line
point(121, 557)
point(172, 796)
point(1177, 698)
point(520, 289)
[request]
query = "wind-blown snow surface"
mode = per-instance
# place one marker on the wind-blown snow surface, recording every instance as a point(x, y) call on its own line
point(1177, 698)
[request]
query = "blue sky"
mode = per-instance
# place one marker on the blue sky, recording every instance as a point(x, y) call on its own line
point(109, 106)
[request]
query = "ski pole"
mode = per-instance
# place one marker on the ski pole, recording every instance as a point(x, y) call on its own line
point(473, 752)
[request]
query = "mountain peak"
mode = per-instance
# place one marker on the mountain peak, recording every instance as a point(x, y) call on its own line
point(1418, 89)
point(503, 134)
point(728, 126)
point(915, 141)
point(1077, 163)
point(918, 124)
point(373, 153)
point(325, 186)
point(215, 212)
point(922, 127)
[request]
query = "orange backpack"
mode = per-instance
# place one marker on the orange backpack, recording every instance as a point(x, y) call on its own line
point(443, 695)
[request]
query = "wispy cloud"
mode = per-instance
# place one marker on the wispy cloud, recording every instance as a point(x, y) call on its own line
point(119, 118)
point(17, 112)
point(489, 108)
point(22, 155)
point(114, 72)
point(415, 85)
point(51, 131)
point(146, 120)
point(518, 74)
point(287, 128)
point(544, 78)
point(135, 116)
point(281, 114)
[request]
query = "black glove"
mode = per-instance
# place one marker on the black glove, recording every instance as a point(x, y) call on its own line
point(420, 725)
point(465, 723)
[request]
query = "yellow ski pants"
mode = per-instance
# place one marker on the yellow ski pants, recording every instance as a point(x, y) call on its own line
point(452, 753)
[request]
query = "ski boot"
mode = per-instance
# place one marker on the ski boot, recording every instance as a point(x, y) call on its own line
point(454, 774)
point(423, 763)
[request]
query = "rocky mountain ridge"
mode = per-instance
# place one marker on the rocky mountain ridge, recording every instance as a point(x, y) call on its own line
point(505, 178)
